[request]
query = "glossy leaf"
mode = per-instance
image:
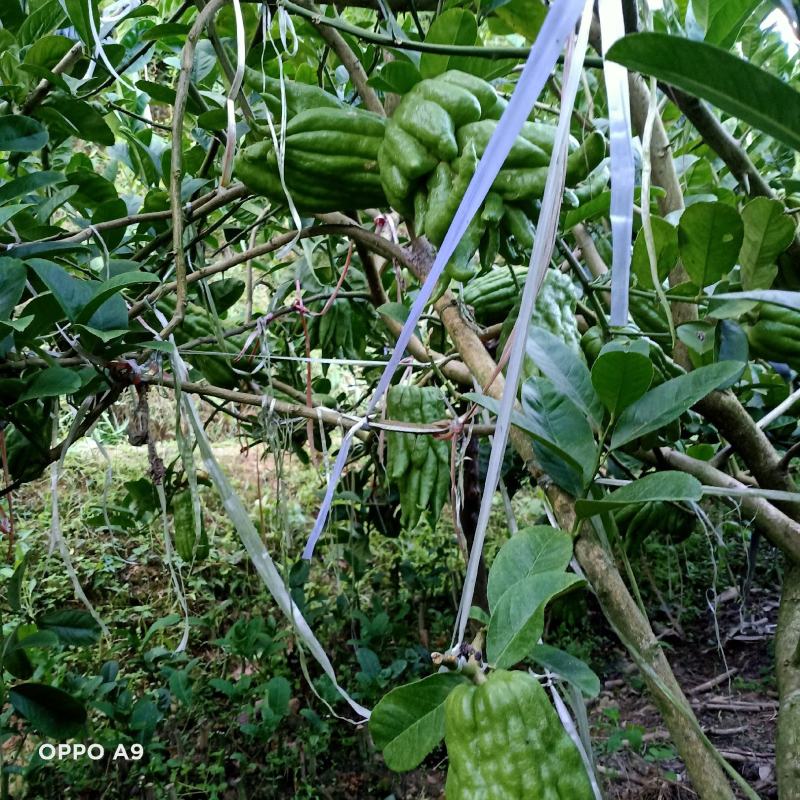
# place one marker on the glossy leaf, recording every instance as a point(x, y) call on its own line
point(667, 402)
point(26, 184)
point(566, 369)
point(454, 26)
point(726, 18)
point(108, 289)
point(665, 237)
point(667, 486)
point(396, 76)
point(12, 284)
point(518, 619)
point(568, 668)
point(565, 445)
point(532, 550)
point(78, 12)
point(621, 374)
point(768, 231)
point(19, 134)
point(710, 237)
point(408, 722)
point(51, 382)
point(740, 89)
point(74, 294)
point(50, 711)
point(522, 17)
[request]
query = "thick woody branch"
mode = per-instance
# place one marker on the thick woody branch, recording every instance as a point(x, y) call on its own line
point(721, 142)
point(747, 439)
point(777, 527)
point(598, 565)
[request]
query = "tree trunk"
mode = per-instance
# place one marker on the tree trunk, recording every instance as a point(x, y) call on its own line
point(470, 508)
point(787, 664)
point(619, 607)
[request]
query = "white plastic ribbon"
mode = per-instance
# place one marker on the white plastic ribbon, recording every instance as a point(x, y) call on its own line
point(251, 539)
point(558, 24)
point(540, 259)
point(230, 100)
point(612, 27)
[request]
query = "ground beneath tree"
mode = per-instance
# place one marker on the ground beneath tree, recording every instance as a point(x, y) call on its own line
point(731, 689)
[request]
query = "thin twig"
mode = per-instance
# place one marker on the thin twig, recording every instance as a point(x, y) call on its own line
point(492, 53)
point(346, 55)
point(176, 162)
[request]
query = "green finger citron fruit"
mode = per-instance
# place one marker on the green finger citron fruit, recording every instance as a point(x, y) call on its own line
point(505, 742)
point(189, 541)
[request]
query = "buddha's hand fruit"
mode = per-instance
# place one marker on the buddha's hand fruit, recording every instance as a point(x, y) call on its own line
point(505, 742)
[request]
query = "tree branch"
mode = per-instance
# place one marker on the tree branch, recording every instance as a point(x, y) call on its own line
point(320, 21)
point(328, 416)
point(176, 161)
point(346, 55)
point(44, 87)
point(616, 601)
point(777, 527)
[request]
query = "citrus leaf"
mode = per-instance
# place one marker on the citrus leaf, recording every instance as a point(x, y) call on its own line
point(735, 86)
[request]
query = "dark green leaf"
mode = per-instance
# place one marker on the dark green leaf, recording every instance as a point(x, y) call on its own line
point(71, 625)
point(213, 120)
point(396, 76)
point(667, 402)
point(710, 237)
point(73, 294)
point(27, 184)
point(517, 621)
point(93, 190)
point(51, 382)
point(621, 374)
point(49, 710)
point(752, 94)
point(46, 17)
point(14, 590)
point(454, 26)
point(225, 292)
point(665, 238)
point(166, 30)
point(566, 369)
point(565, 445)
point(568, 668)
point(85, 119)
point(529, 551)
point(15, 660)
point(37, 639)
point(668, 486)
point(408, 722)
point(110, 288)
point(20, 134)
point(48, 51)
point(12, 284)
point(78, 12)
point(768, 231)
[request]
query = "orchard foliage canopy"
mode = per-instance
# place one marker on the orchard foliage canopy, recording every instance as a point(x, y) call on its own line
point(381, 236)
